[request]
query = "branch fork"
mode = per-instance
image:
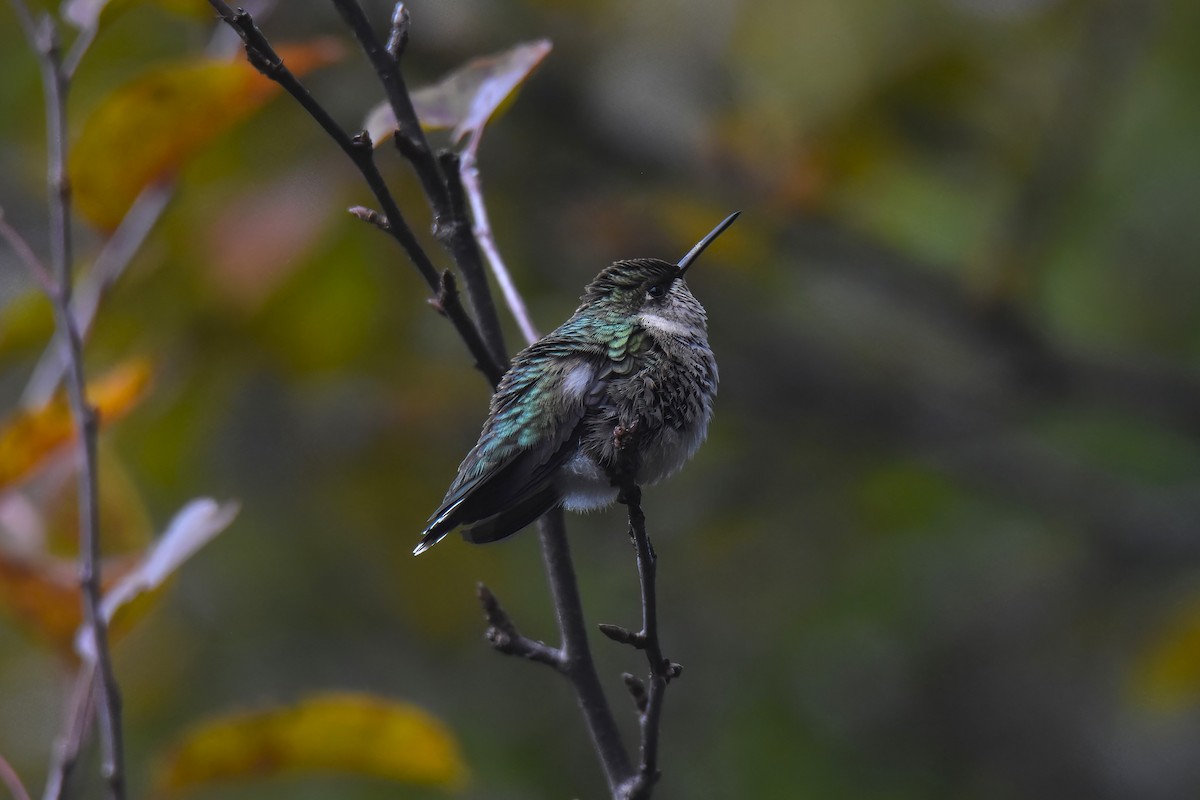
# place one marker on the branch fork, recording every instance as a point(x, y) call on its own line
point(503, 635)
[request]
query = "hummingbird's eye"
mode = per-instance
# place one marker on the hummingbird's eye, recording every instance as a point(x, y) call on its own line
point(656, 291)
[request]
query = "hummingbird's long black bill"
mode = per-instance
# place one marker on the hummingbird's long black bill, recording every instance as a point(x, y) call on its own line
point(695, 252)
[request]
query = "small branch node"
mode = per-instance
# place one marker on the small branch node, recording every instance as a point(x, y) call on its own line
point(371, 216)
point(408, 148)
point(447, 293)
point(503, 635)
point(398, 36)
point(623, 635)
point(637, 690)
point(269, 64)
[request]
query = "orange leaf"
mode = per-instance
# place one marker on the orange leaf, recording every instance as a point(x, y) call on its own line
point(148, 128)
point(42, 596)
point(343, 732)
point(28, 437)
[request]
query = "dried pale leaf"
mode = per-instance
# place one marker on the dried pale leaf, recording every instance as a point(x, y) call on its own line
point(90, 13)
point(467, 98)
point(194, 526)
point(28, 437)
point(148, 128)
point(348, 733)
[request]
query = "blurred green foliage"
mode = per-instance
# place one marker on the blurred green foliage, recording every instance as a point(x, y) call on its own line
point(943, 540)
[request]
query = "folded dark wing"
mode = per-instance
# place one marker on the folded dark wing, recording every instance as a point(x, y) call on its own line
point(506, 481)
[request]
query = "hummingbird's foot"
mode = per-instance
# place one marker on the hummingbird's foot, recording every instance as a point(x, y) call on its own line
point(623, 473)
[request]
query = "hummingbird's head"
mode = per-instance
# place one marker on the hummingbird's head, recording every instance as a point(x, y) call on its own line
point(653, 289)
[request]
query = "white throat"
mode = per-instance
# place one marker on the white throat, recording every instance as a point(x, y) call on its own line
point(664, 325)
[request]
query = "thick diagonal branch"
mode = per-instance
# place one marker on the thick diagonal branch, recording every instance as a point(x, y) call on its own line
point(361, 152)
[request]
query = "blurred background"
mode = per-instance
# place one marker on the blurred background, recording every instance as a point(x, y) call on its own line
point(944, 538)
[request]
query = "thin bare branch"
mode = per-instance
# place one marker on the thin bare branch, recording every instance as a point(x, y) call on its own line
point(503, 635)
point(465, 250)
point(79, 47)
point(33, 265)
point(12, 780)
point(370, 216)
point(69, 743)
point(649, 700)
point(43, 39)
point(108, 266)
point(468, 171)
point(109, 697)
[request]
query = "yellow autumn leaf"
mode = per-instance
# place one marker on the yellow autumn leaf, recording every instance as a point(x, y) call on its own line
point(28, 437)
point(145, 130)
point(1167, 675)
point(343, 732)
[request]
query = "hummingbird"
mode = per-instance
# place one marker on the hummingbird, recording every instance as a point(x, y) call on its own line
point(634, 357)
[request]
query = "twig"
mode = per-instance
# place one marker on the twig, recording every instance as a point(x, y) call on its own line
point(468, 172)
point(108, 266)
point(370, 216)
point(79, 47)
point(70, 742)
point(13, 781)
point(109, 698)
point(649, 701)
point(33, 265)
point(359, 149)
point(503, 635)
point(464, 248)
point(43, 39)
